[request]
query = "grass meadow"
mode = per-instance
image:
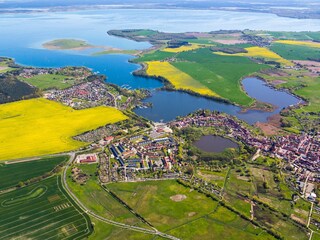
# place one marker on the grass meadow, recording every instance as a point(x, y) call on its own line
point(49, 81)
point(194, 217)
point(100, 201)
point(152, 201)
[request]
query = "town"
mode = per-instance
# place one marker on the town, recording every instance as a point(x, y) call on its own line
point(84, 95)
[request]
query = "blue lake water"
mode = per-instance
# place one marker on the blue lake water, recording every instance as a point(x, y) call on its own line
point(23, 34)
point(166, 106)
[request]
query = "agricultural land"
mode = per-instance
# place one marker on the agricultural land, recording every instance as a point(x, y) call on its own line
point(42, 210)
point(50, 126)
point(77, 163)
point(213, 65)
point(24, 171)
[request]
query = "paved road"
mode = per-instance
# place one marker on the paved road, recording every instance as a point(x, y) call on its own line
point(92, 214)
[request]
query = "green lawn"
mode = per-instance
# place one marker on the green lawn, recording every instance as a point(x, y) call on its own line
point(221, 74)
point(49, 81)
point(13, 173)
point(49, 215)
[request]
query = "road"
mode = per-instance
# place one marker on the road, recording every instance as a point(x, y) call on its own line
point(309, 219)
point(305, 185)
point(108, 221)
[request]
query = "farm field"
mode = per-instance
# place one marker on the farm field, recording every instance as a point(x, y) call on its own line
point(295, 52)
point(13, 173)
point(191, 47)
point(94, 197)
point(204, 73)
point(50, 126)
point(42, 211)
point(49, 81)
point(154, 56)
point(177, 78)
point(300, 36)
point(213, 71)
point(300, 43)
point(260, 52)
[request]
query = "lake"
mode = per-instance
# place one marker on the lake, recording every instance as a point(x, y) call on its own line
point(214, 144)
point(23, 34)
point(166, 106)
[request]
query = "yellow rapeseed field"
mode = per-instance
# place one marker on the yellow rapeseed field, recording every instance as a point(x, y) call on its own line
point(177, 78)
point(38, 127)
point(260, 52)
point(300, 43)
point(193, 46)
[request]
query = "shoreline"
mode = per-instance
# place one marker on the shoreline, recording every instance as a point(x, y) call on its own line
point(74, 8)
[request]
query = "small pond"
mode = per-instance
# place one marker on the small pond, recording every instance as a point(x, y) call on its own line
point(216, 144)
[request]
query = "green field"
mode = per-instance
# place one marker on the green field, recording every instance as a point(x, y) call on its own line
point(222, 224)
point(12, 174)
point(316, 236)
point(41, 211)
point(221, 74)
point(286, 228)
point(194, 217)
point(103, 231)
point(49, 81)
point(217, 178)
point(154, 56)
point(152, 201)
point(115, 51)
point(295, 52)
point(65, 44)
point(296, 35)
point(94, 197)
point(4, 65)
point(236, 186)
